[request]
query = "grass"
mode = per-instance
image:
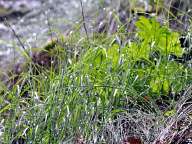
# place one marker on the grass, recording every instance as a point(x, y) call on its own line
point(101, 90)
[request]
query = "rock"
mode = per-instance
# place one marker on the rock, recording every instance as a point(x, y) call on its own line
point(17, 7)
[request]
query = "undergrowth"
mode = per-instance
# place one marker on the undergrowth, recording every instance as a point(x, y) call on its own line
point(99, 91)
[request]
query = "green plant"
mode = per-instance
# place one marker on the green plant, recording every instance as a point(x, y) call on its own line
point(87, 94)
point(149, 57)
point(155, 44)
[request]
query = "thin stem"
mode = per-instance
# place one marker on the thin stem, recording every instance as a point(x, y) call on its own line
point(83, 16)
point(16, 35)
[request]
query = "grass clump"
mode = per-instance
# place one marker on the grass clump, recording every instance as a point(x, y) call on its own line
point(91, 94)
